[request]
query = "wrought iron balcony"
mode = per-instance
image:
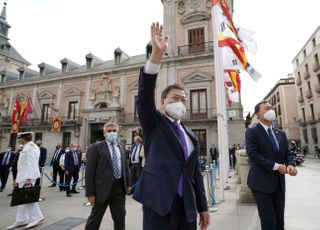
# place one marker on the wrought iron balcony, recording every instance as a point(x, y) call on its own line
point(298, 80)
point(306, 75)
point(317, 87)
point(316, 67)
point(300, 99)
point(197, 48)
point(308, 94)
point(190, 116)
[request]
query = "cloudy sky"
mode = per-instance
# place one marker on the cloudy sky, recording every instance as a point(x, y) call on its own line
point(50, 30)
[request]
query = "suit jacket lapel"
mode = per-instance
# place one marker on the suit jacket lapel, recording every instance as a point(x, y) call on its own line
point(107, 153)
point(174, 135)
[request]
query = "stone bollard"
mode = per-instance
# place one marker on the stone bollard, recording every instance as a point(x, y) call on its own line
point(245, 194)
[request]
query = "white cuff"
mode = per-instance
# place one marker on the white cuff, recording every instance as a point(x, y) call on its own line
point(151, 68)
point(276, 167)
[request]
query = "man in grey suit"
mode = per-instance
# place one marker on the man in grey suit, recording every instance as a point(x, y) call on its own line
point(107, 179)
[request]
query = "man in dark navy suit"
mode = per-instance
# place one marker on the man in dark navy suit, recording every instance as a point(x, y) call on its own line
point(72, 164)
point(270, 160)
point(56, 168)
point(171, 186)
point(42, 158)
point(6, 159)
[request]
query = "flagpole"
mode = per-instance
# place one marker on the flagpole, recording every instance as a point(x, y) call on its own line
point(222, 122)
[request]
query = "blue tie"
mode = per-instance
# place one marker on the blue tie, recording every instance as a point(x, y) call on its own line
point(273, 141)
point(116, 170)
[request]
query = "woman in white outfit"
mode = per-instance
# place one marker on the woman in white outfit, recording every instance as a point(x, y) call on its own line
point(28, 215)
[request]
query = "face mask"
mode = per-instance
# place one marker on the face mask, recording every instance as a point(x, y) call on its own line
point(112, 137)
point(74, 149)
point(67, 150)
point(176, 110)
point(270, 115)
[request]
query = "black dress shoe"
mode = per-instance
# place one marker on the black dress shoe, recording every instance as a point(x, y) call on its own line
point(74, 191)
point(10, 194)
point(69, 194)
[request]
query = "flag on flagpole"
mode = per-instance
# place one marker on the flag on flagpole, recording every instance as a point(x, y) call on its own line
point(15, 112)
point(233, 86)
point(27, 110)
point(232, 48)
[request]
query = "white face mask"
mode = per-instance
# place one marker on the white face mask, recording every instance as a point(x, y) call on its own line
point(176, 110)
point(270, 115)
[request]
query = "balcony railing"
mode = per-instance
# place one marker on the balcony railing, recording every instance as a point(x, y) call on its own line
point(202, 115)
point(311, 119)
point(306, 75)
point(315, 67)
point(308, 94)
point(38, 122)
point(317, 87)
point(300, 99)
point(198, 48)
point(298, 81)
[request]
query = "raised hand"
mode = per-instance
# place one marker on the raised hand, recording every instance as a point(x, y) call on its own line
point(159, 43)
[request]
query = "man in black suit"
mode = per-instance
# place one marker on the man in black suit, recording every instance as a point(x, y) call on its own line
point(171, 186)
point(6, 159)
point(72, 164)
point(107, 179)
point(56, 168)
point(270, 160)
point(135, 160)
point(42, 159)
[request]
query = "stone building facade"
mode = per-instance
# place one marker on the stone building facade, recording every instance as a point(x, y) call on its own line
point(88, 95)
point(306, 66)
point(282, 97)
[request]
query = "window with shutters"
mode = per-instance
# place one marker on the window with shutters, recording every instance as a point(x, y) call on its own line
point(45, 113)
point(199, 104)
point(196, 40)
point(202, 138)
point(72, 110)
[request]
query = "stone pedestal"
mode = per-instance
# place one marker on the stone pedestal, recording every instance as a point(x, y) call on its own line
point(245, 194)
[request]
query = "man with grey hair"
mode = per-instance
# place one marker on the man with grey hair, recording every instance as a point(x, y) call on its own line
point(107, 179)
point(6, 159)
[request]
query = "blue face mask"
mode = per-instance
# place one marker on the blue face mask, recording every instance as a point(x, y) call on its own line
point(112, 137)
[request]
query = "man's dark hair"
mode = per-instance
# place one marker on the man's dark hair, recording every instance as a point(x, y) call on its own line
point(257, 107)
point(27, 137)
point(166, 91)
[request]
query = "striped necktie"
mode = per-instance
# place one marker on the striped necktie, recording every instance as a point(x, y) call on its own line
point(116, 169)
point(273, 141)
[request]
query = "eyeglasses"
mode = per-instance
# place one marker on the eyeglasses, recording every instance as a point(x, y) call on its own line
point(111, 130)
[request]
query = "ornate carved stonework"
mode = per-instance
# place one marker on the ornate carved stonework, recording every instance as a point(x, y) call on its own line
point(194, 4)
point(208, 4)
point(181, 8)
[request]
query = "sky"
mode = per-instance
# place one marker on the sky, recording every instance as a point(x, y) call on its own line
point(50, 30)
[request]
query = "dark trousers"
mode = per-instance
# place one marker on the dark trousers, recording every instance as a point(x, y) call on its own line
point(57, 170)
point(135, 171)
point(174, 220)
point(4, 174)
point(116, 201)
point(74, 174)
point(271, 209)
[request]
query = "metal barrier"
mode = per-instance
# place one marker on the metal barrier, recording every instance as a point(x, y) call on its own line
point(210, 178)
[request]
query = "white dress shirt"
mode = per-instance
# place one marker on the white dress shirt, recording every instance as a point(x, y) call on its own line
point(276, 165)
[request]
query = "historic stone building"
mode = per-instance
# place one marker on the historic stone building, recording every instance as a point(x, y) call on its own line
point(87, 95)
point(306, 66)
point(282, 97)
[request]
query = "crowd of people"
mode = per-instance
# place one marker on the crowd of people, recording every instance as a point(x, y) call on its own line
point(161, 169)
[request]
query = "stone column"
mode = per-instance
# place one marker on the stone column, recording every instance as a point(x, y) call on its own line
point(245, 194)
